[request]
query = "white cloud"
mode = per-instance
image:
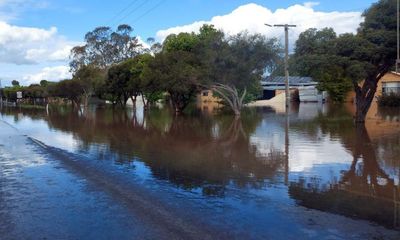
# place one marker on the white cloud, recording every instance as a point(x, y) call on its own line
point(48, 73)
point(311, 4)
point(25, 45)
point(252, 17)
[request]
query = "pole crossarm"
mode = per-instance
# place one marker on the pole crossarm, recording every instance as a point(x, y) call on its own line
point(285, 25)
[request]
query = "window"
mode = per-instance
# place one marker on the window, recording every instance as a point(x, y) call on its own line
point(391, 87)
point(205, 93)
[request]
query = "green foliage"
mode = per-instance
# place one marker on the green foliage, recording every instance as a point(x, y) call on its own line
point(91, 78)
point(390, 100)
point(69, 89)
point(35, 91)
point(10, 93)
point(44, 83)
point(105, 47)
point(237, 62)
point(313, 41)
point(15, 83)
point(150, 82)
point(337, 62)
point(117, 82)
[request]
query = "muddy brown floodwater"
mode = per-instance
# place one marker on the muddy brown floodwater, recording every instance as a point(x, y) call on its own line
point(124, 174)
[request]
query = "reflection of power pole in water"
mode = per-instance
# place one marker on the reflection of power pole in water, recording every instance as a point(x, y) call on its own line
point(396, 193)
point(1, 95)
point(287, 124)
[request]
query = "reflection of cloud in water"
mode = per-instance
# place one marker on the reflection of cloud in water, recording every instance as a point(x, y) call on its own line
point(308, 111)
point(304, 155)
point(268, 135)
point(43, 133)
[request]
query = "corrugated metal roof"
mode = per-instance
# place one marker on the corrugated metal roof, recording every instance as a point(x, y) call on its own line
point(293, 80)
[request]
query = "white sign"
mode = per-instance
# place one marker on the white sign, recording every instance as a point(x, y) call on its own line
point(19, 95)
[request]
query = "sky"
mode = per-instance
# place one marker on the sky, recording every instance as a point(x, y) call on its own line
point(36, 36)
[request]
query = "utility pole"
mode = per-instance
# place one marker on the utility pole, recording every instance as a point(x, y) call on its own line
point(287, 87)
point(398, 38)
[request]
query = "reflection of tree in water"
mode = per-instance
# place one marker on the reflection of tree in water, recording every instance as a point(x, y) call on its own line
point(200, 152)
point(389, 113)
point(365, 191)
point(194, 156)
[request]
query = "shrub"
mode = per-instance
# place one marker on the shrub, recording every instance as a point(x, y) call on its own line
point(390, 100)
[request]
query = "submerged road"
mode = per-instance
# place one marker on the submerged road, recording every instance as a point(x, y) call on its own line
point(49, 193)
point(46, 193)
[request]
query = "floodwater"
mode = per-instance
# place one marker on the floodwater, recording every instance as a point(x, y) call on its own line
point(124, 174)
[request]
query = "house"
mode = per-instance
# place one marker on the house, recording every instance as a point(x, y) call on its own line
point(390, 83)
point(207, 101)
point(207, 96)
point(306, 88)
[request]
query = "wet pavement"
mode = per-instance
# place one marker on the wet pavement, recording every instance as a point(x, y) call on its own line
point(45, 195)
point(65, 178)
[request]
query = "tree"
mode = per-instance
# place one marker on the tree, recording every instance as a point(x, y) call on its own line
point(177, 68)
point(316, 55)
point(233, 68)
point(379, 34)
point(105, 47)
point(69, 89)
point(363, 58)
point(35, 91)
point(149, 83)
point(44, 83)
point(117, 83)
point(90, 79)
point(14, 83)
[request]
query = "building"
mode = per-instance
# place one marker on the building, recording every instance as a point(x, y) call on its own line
point(304, 88)
point(207, 101)
point(390, 83)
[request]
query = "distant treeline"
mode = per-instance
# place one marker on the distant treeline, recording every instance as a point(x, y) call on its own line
point(113, 66)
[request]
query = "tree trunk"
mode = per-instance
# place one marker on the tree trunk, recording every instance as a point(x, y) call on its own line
point(366, 93)
point(231, 97)
point(179, 101)
point(364, 97)
point(86, 100)
point(133, 98)
point(144, 103)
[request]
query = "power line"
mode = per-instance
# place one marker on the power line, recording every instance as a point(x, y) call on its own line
point(133, 10)
point(149, 11)
point(122, 11)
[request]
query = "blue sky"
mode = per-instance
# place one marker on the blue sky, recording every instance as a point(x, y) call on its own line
point(74, 18)
point(71, 19)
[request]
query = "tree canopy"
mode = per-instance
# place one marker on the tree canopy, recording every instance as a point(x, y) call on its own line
point(104, 47)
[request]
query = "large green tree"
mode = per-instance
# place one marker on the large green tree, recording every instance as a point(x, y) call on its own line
point(377, 54)
point(177, 68)
point(316, 55)
point(233, 66)
point(91, 79)
point(359, 60)
point(69, 89)
point(118, 86)
point(104, 47)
